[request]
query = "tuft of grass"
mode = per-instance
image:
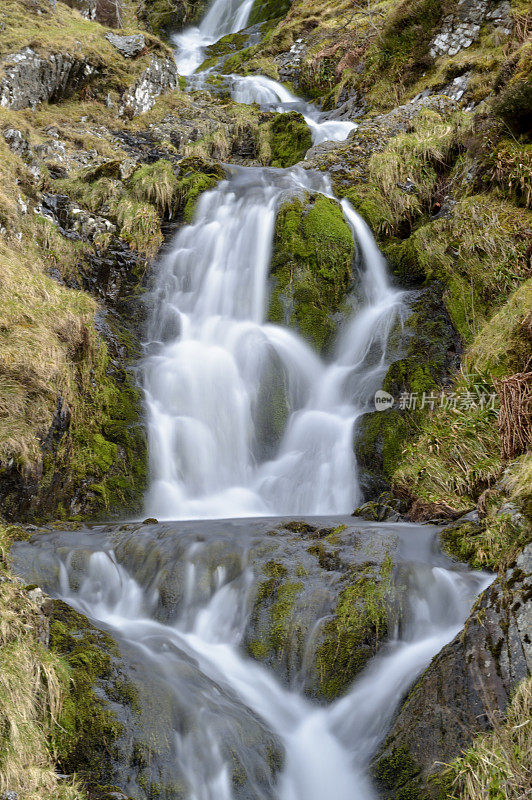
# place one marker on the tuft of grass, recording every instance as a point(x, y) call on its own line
point(140, 225)
point(157, 184)
point(456, 456)
point(32, 688)
point(502, 346)
point(498, 765)
point(414, 159)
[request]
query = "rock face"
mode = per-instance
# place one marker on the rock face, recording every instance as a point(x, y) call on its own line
point(161, 76)
point(462, 28)
point(128, 46)
point(465, 688)
point(30, 79)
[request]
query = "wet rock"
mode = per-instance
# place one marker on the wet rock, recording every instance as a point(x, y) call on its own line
point(130, 718)
point(160, 77)
point(128, 46)
point(385, 508)
point(30, 79)
point(465, 689)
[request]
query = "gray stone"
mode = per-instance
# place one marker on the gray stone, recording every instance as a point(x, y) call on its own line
point(30, 79)
point(160, 77)
point(469, 683)
point(128, 46)
point(17, 143)
point(461, 28)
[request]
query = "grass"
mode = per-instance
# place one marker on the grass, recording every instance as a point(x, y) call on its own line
point(416, 158)
point(157, 184)
point(32, 688)
point(456, 456)
point(66, 31)
point(498, 765)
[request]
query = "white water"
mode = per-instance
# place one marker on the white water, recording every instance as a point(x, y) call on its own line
point(230, 16)
point(223, 17)
point(216, 372)
point(327, 748)
point(272, 95)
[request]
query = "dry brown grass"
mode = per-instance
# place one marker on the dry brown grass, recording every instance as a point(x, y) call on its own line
point(43, 326)
point(499, 764)
point(32, 681)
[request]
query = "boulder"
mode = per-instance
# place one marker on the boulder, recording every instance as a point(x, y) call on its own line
point(465, 689)
point(128, 46)
point(160, 77)
point(29, 78)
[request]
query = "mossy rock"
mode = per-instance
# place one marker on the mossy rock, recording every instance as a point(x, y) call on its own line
point(264, 10)
point(398, 775)
point(311, 268)
point(289, 139)
point(349, 639)
point(196, 175)
point(88, 727)
point(428, 347)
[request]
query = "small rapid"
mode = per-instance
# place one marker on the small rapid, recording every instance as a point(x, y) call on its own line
point(198, 659)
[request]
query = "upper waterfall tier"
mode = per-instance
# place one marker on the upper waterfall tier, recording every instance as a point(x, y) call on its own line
point(214, 360)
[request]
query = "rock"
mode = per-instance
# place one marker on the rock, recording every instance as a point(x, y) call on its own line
point(29, 79)
point(17, 143)
point(466, 687)
point(386, 508)
point(160, 77)
point(87, 8)
point(128, 46)
point(460, 29)
point(74, 222)
point(424, 350)
point(458, 87)
point(126, 720)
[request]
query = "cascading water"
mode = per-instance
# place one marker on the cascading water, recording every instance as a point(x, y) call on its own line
point(212, 690)
point(212, 358)
point(211, 362)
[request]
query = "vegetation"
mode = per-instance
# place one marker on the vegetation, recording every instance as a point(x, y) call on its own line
point(311, 267)
point(498, 765)
point(33, 686)
point(350, 636)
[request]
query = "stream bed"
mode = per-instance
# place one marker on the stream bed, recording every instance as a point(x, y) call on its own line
point(188, 602)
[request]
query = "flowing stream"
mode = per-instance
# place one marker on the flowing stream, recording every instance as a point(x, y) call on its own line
point(215, 699)
point(215, 374)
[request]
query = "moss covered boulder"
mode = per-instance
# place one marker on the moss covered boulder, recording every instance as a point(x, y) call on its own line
point(427, 349)
point(311, 268)
point(466, 687)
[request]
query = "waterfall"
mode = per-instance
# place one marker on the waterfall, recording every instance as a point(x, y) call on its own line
point(213, 358)
point(211, 688)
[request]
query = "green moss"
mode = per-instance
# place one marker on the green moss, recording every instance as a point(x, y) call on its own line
point(311, 267)
point(351, 636)
point(88, 726)
point(273, 612)
point(285, 140)
point(399, 773)
point(264, 10)
point(196, 176)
